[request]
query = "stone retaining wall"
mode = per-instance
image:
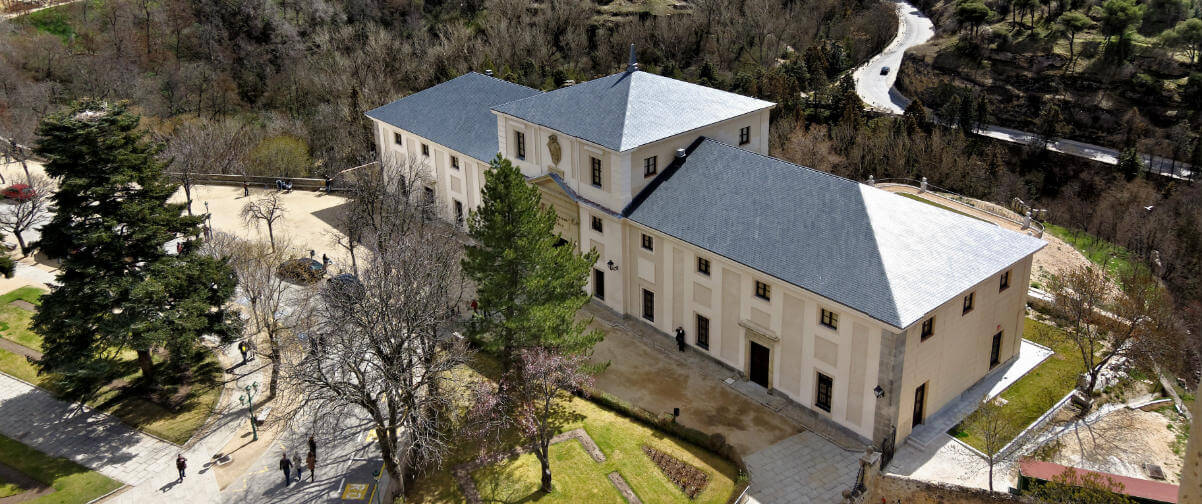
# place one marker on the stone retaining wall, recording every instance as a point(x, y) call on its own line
point(891, 488)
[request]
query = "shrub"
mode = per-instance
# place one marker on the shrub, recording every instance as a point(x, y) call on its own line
point(691, 480)
point(7, 266)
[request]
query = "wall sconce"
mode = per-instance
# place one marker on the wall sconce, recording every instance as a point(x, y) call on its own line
point(880, 392)
point(612, 266)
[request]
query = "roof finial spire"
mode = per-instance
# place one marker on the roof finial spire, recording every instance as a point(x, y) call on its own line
point(634, 64)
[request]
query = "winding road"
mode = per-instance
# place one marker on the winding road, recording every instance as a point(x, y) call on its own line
point(914, 28)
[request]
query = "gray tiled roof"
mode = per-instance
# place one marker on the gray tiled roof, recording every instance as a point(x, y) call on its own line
point(625, 110)
point(455, 113)
point(890, 257)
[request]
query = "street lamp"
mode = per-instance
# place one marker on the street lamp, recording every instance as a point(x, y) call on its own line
point(248, 400)
point(208, 222)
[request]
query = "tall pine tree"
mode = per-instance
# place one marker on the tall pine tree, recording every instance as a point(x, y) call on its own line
point(119, 288)
point(529, 286)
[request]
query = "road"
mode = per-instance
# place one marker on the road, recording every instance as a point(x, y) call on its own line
point(914, 28)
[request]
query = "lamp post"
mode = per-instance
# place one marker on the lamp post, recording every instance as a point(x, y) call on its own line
point(248, 400)
point(208, 222)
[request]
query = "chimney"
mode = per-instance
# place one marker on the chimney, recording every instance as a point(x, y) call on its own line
point(488, 72)
point(680, 154)
point(633, 65)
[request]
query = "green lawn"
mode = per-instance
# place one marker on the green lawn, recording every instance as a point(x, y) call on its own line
point(126, 402)
point(1035, 393)
point(73, 483)
point(14, 321)
point(7, 489)
point(1096, 250)
point(916, 197)
point(55, 21)
point(576, 478)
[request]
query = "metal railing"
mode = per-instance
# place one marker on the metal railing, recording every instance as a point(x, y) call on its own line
point(959, 199)
point(338, 182)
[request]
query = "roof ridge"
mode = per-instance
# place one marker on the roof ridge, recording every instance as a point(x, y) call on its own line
point(785, 161)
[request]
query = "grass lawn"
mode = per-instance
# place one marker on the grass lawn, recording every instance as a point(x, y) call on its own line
point(1035, 393)
point(55, 21)
point(1096, 250)
point(916, 197)
point(122, 397)
point(576, 478)
point(14, 321)
point(72, 483)
point(7, 489)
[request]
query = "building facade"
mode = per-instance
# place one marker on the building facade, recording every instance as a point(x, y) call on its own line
point(869, 309)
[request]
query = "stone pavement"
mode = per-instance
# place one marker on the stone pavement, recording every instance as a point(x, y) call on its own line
point(804, 468)
point(92, 439)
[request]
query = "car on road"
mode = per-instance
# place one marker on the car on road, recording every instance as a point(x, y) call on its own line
point(19, 192)
point(301, 270)
point(884, 70)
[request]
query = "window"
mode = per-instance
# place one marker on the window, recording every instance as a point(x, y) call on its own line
point(823, 398)
point(763, 291)
point(649, 305)
point(649, 167)
point(830, 319)
point(454, 162)
point(458, 212)
point(968, 300)
point(596, 166)
point(429, 195)
point(425, 150)
point(519, 139)
point(703, 266)
point(995, 350)
point(703, 332)
point(396, 139)
point(1005, 282)
point(928, 328)
point(596, 224)
point(599, 284)
point(648, 243)
point(745, 135)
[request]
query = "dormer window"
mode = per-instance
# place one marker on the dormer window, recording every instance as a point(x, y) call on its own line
point(649, 166)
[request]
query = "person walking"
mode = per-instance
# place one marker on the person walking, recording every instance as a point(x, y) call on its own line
point(311, 461)
point(181, 464)
point(244, 347)
point(286, 467)
point(312, 446)
point(680, 339)
point(300, 468)
point(245, 189)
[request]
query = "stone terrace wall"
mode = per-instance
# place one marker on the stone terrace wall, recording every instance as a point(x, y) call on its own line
point(888, 488)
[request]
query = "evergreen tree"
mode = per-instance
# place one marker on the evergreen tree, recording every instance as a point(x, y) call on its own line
point(1129, 164)
point(529, 287)
point(119, 288)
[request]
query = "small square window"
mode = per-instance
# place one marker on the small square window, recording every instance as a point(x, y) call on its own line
point(425, 150)
point(703, 332)
point(830, 319)
point(596, 169)
point(745, 135)
point(823, 398)
point(649, 166)
point(454, 162)
point(928, 328)
point(648, 305)
point(596, 221)
point(968, 302)
point(519, 139)
point(703, 266)
point(763, 291)
point(1005, 282)
point(648, 243)
point(396, 139)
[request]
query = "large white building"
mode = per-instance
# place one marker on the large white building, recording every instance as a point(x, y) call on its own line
point(870, 309)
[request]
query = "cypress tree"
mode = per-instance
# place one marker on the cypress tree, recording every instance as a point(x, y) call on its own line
point(529, 285)
point(119, 288)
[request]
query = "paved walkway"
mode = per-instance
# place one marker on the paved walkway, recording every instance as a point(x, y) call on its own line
point(802, 468)
point(90, 438)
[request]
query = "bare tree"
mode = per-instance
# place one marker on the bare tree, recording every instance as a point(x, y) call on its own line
point(382, 348)
point(267, 209)
point(996, 428)
point(201, 146)
point(28, 211)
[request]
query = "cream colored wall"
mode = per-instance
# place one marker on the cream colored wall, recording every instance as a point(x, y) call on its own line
point(800, 347)
point(726, 132)
point(609, 244)
point(957, 355)
point(463, 184)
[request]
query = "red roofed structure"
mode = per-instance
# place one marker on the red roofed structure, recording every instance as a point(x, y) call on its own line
point(1140, 490)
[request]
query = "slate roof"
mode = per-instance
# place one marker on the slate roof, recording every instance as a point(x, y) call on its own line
point(625, 110)
point(890, 257)
point(455, 113)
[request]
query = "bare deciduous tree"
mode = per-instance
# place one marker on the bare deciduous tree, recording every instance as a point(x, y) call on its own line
point(996, 428)
point(199, 147)
point(267, 209)
point(28, 212)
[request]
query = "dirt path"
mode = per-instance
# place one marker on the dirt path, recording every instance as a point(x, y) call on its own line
point(20, 349)
point(1119, 443)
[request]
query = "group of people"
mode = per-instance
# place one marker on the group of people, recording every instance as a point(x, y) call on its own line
point(288, 465)
point(286, 185)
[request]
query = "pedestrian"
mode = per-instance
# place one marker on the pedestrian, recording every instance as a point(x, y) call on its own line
point(181, 463)
point(279, 185)
point(328, 183)
point(244, 348)
point(312, 446)
point(286, 466)
point(325, 261)
point(680, 338)
point(311, 461)
point(475, 306)
point(245, 189)
point(300, 468)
